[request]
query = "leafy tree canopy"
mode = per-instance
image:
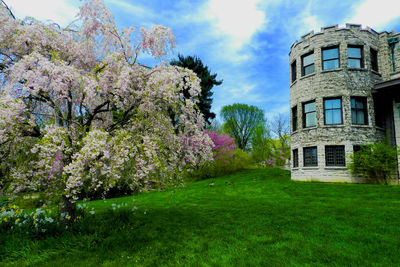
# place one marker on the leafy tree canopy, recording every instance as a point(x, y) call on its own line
point(241, 121)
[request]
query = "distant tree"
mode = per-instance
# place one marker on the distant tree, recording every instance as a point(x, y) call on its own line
point(241, 121)
point(280, 125)
point(281, 130)
point(207, 82)
point(261, 144)
point(214, 126)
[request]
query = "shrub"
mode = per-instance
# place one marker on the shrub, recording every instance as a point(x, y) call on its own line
point(375, 161)
point(238, 160)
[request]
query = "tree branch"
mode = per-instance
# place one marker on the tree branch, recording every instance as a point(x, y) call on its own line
point(9, 10)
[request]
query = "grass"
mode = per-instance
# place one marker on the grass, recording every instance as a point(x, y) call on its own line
point(263, 218)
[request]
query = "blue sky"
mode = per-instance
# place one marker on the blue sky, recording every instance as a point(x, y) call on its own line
point(246, 42)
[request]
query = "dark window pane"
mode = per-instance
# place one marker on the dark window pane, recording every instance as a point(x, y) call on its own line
point(330, 53)
point(354, 63)
point(374, 59)
point(331, 64)
point(294, 118)
point(295, 158)
point(333, 111)
point(354, 52)
point(335, 156)
point(354, 116)
point(359, 110)
point(360, 117)
point(310, 156)
point(294, 73)
point(333, 117)
point(310, 119)
point(309, 107)
point(308, 69)
point(332, 103)
point(308, 60)
point(309, 115)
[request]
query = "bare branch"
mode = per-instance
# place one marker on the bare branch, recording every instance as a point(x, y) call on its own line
point(9, 10)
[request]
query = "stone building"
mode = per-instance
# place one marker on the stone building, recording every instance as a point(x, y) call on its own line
point(344, 92)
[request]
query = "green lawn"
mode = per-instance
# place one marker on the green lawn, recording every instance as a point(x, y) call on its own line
point(262, 219)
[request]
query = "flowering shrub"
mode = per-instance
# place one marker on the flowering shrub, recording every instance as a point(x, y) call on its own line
point(80, 115)
point(270, 163)
point(222, 146)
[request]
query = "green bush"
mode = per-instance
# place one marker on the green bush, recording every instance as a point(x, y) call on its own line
point(377, 161)
point(238, 160)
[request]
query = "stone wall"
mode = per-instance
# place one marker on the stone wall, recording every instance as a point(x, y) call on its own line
point(343, 82)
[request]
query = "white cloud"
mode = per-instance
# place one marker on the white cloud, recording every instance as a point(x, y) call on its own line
point(279, 109)
point(232, 24)
point(60, 11)
point(376, 14)
point(134, 10)
point(237, 19)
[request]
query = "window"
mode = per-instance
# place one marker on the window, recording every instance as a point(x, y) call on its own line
point(374, 59)
point(355, 57)
point(334, 156)
point(359, 110)
point(295, 158)
point(307, 64)
point(330, 58)
point(309, 114)
point(310, 156)
point(294, 118)
point(294, 71)
point(333, 111)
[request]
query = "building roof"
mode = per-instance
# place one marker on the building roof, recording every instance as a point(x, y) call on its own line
point(386, 84)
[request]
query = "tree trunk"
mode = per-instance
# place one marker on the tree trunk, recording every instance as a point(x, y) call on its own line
point(68, 210)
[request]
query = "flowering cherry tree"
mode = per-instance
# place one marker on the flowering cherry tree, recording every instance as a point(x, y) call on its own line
point(87, 113)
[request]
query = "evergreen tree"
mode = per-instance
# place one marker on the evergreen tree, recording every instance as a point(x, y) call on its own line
point(208, 81)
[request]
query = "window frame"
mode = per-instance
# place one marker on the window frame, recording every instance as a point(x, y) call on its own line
point(293, 68)
point(374, 59)
point(361, 47)
point(314, 161)
point(364, 110)
point(294, 119)
point(305, 113)
point(336, 162)
point(341, 110)
point(295, 153)
point(303, 67)
point(332, 59)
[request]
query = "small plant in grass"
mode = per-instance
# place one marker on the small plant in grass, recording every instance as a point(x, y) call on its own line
point(39, 222)
point(376, 161)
